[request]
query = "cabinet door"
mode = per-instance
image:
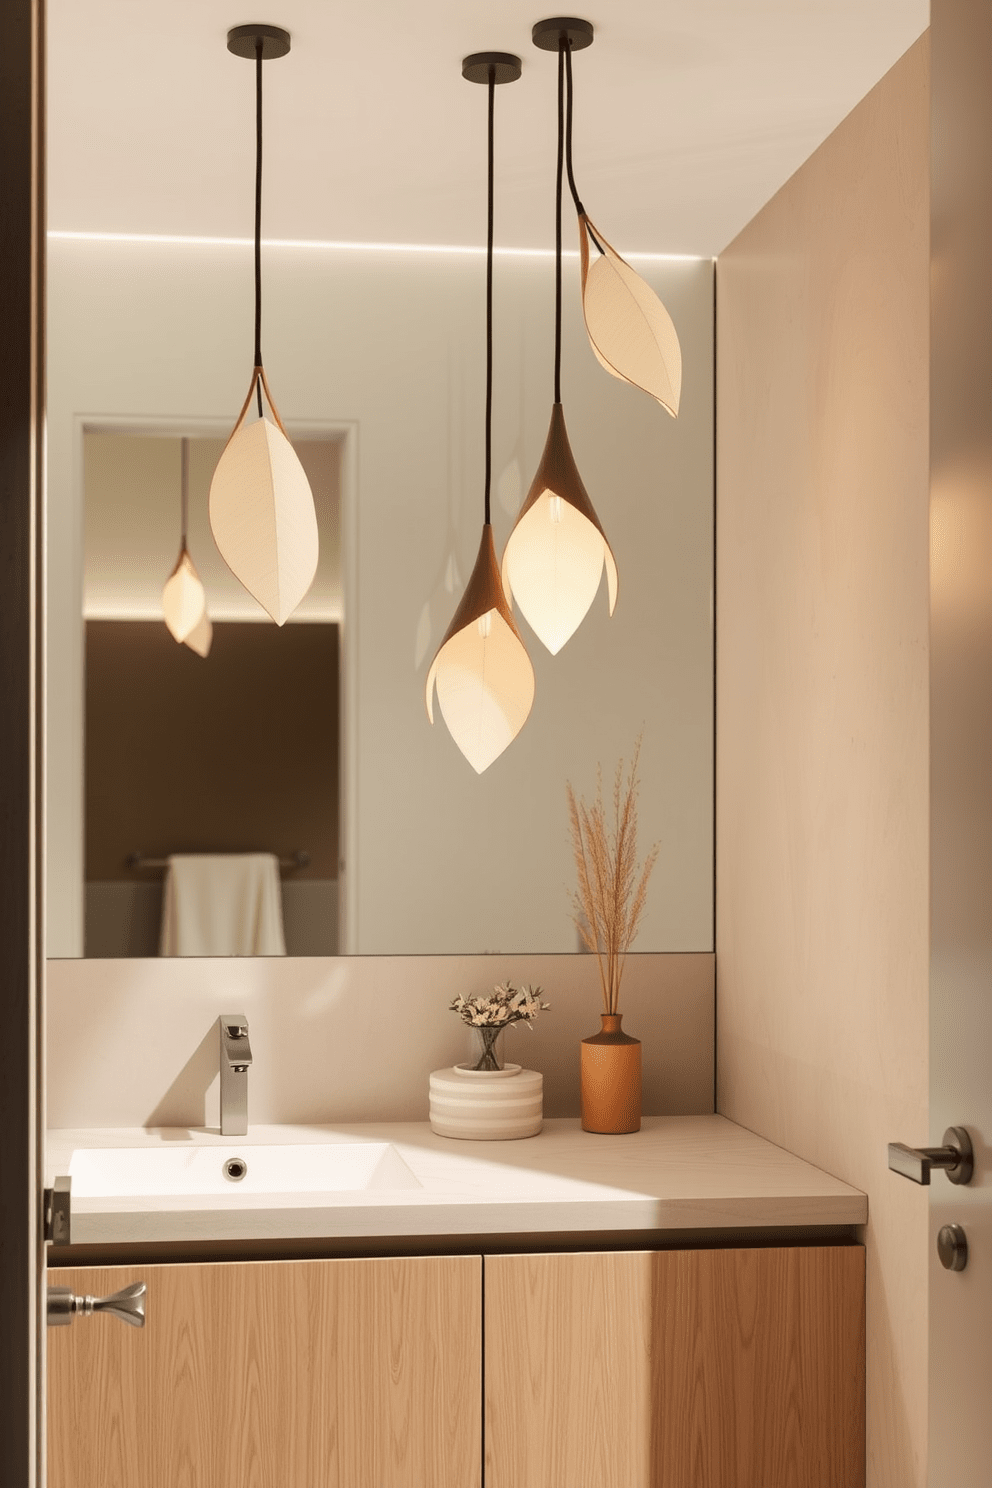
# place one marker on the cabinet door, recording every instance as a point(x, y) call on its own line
point(676, 1369)
point(288, 1374)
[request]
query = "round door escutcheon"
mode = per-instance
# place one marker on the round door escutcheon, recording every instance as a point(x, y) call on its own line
point(952, 1247)
point(956, 1136)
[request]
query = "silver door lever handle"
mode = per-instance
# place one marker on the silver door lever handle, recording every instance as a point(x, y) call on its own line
point(956, 1158)
point(127, 1304)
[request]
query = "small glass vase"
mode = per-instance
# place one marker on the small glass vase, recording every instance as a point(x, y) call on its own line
point(487, 1049)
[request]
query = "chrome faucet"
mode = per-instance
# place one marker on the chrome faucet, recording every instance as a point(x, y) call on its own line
point(235, 1057)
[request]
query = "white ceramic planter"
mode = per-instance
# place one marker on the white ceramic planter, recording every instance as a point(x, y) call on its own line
point(487, 1105)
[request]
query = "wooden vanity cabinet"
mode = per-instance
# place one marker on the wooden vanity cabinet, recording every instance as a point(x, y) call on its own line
point(281, 1374)
point(694, 1368)
point(676, 1369)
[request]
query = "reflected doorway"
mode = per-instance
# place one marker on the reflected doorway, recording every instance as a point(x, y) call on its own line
point(238, 751)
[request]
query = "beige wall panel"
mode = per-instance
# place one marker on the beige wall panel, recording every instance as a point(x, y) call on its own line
point(346, 1374)
point(325, 1049)
point(719, 1368)
point(822, 698)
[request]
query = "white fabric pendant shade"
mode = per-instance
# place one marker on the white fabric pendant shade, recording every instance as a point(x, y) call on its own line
point(262, 513)
point(184, 603)
point(629, 328)
point(484, 677)
point(554, 559)
point(201, 637)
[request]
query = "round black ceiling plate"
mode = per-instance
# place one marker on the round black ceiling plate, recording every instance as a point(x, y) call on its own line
point(241, 40)
point(505, 66)
point(547, 34)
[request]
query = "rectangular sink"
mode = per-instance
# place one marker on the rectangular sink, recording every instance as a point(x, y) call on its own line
point(238, 1167)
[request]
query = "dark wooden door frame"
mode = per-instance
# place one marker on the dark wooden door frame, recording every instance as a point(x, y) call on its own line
point(22, 384)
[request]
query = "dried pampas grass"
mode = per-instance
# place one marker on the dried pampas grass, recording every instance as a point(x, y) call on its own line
point(609, 900)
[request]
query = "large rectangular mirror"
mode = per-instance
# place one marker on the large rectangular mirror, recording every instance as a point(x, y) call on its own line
point(379, 353)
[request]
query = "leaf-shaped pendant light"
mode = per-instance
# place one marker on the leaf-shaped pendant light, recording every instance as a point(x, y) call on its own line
point(554, 559)
point(483, 675)
point(184, 603)
point(629, 329)
point(261, 506)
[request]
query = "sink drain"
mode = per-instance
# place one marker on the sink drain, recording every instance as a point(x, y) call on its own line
point(235, 1169)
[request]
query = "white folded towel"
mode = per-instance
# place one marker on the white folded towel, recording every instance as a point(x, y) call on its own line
point(222, 904)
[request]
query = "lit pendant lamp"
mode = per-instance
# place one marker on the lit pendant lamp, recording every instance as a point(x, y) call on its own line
point(261, 506)
point(629, 329)
point(483, 675)
point(556, 553)
point(184, 604)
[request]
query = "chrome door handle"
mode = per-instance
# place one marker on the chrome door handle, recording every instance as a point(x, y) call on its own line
point(956, 1158)
point(128, 1304)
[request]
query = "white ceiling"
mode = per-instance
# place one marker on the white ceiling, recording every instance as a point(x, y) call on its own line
point(689, 116)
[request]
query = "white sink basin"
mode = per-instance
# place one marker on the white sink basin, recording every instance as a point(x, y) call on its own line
point(239, 1167)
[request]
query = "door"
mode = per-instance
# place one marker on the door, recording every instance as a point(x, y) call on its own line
point(960, 1302)
point(21, 689)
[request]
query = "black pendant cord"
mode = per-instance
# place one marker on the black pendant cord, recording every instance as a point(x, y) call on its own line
point(258, 216)
point(184, 487)
point(564, 46)
point(489, 301)
point(568, 143)
point(562, 50)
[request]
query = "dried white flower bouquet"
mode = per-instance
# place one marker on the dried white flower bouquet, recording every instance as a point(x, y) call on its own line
point(506, 1004)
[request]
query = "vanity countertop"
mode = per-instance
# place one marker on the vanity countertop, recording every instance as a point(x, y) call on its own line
point(677, 1173)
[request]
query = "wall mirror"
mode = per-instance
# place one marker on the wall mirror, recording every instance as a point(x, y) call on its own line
point(377, 352)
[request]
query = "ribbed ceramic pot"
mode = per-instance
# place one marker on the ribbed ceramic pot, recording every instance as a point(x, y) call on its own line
point(610, 1079)
point(487, 1105)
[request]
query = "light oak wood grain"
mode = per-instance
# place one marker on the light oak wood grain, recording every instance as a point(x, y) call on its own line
point(302, 1374)
point(709, 1368)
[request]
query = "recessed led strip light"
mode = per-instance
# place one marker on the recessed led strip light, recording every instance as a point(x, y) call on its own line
point(179, 239)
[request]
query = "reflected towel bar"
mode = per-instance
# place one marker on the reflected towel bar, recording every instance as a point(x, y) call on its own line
point(137, 860)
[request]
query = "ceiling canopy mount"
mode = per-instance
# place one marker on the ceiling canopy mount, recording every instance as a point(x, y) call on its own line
point(548, 34)
point(505, 67)
point(243, 41)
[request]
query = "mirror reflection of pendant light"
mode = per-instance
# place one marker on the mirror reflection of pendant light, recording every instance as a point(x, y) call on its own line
point(261, 506)
point(555, 555)
point(201, 637)
point(184, 604)
point(629, 328)
point(483, 675)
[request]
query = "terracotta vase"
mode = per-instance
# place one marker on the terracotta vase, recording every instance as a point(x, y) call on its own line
point(610, 1079)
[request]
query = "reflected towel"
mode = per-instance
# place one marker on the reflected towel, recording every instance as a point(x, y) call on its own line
point(222, 904)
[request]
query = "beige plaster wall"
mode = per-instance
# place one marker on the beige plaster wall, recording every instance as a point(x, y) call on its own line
point(822, 699)
point(349, 1038)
